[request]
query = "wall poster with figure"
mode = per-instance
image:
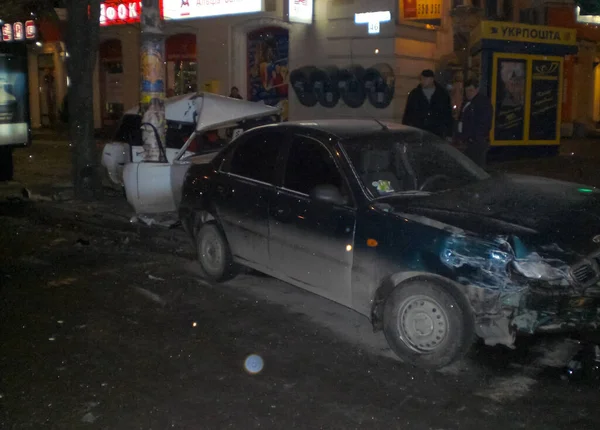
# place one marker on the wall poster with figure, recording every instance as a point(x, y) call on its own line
point(268, 79)
point(509, 103)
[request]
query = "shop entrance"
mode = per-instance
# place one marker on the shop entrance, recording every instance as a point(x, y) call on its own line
point(111, 82)
point(47, 80)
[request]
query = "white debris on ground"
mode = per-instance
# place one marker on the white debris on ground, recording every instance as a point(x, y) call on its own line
point(161, 220)
point(508, 389)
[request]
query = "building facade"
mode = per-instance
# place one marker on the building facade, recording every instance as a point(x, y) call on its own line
point(259, 46)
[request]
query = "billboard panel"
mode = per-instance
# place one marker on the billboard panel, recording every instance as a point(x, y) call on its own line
point(14, 98)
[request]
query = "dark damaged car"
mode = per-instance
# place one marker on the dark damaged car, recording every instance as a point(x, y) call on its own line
point(403, 228)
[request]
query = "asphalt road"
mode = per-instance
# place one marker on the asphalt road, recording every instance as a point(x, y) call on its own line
point(100, 331)
point(106, 330)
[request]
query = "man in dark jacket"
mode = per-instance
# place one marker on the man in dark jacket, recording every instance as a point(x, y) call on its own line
point(428, 107)
point(475, 123)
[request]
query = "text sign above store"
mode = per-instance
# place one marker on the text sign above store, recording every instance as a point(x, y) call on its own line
point(187, 9)
point(373, 19)
point(514, 32)
point(120, 12)
point(421, 9)
point(301, 11)
point(18, 31)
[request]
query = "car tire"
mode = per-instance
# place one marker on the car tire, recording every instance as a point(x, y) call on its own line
point(214, 254)
point(428, 324)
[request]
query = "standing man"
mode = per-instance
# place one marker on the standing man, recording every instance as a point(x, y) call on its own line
point(475, 123)
point(428, 107)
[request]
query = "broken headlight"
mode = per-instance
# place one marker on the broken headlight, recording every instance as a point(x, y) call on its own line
point(459, 251)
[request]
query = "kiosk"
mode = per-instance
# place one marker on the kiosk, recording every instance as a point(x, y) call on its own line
point(520, 68)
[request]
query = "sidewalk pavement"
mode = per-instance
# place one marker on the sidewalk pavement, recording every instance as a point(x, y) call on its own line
point(43, 175)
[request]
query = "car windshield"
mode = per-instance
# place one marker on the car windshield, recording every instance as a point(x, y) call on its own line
point(410, 161)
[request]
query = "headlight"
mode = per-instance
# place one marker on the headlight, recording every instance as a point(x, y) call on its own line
point(535, 267)
point(460, 251)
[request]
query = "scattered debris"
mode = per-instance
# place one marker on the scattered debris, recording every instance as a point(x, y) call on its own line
point(62, 282)
point(161, 220)
point(585, 365)
point(155, 278)
point(150, 295)
point(508, 389)
point(82, 242)
point(27, 194)
point(89, 418)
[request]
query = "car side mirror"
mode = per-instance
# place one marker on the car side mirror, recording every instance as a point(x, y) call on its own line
point(328, 193)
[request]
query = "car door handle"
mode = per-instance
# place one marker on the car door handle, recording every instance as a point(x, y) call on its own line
point(281, 212)
point(223, 190)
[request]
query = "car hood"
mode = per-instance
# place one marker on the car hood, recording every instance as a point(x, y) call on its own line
point(543, 210)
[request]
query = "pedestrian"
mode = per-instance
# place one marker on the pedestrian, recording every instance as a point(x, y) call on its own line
point(235, 93)
point(428, 107)
point(475, 123)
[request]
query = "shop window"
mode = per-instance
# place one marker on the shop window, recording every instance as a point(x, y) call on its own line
point(181, 78)
point(180, 51)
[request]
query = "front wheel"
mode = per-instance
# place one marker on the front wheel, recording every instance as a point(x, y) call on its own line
point(213, 253)
point(427, 324)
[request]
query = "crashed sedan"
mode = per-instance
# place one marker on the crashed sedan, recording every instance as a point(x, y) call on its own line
point(154, 187)
point(400, 226)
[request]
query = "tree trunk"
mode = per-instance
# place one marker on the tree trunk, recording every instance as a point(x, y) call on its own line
point(83, 26)
point(152, 90)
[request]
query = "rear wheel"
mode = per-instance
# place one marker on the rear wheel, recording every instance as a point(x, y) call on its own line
point(214, 254)
point(427, 324)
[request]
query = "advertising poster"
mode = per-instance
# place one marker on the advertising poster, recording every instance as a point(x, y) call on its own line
point(268, 75)
point(14, 128)
point(153, 70)
point(510, 99)
point(543, 113)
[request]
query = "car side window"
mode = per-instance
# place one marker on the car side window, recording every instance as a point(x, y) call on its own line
point(129, 130)
point(256, 157)
point(178, 134)
point(310, 164)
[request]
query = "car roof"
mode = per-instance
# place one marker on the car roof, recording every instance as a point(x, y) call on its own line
point(347, 128)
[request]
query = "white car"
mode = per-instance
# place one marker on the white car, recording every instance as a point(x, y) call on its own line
point(155, 187)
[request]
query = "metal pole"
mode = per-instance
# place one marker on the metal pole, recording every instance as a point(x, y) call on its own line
point(152, 87)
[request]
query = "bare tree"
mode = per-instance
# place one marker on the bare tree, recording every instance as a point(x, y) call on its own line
point(83, 27)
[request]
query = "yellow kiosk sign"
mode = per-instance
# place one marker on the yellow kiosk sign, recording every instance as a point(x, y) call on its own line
point(420, 9)
point(509, 31)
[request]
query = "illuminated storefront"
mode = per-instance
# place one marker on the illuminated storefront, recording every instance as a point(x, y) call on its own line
point(522, 72)
point(259, 45)
point(581, 102)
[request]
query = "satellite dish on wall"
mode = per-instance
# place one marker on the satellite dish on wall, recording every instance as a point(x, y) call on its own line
point(300, 80)
point(325, 85)
point(380, 84)
point(351, 85)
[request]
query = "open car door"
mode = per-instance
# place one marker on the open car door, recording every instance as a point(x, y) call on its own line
point(155, 187)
